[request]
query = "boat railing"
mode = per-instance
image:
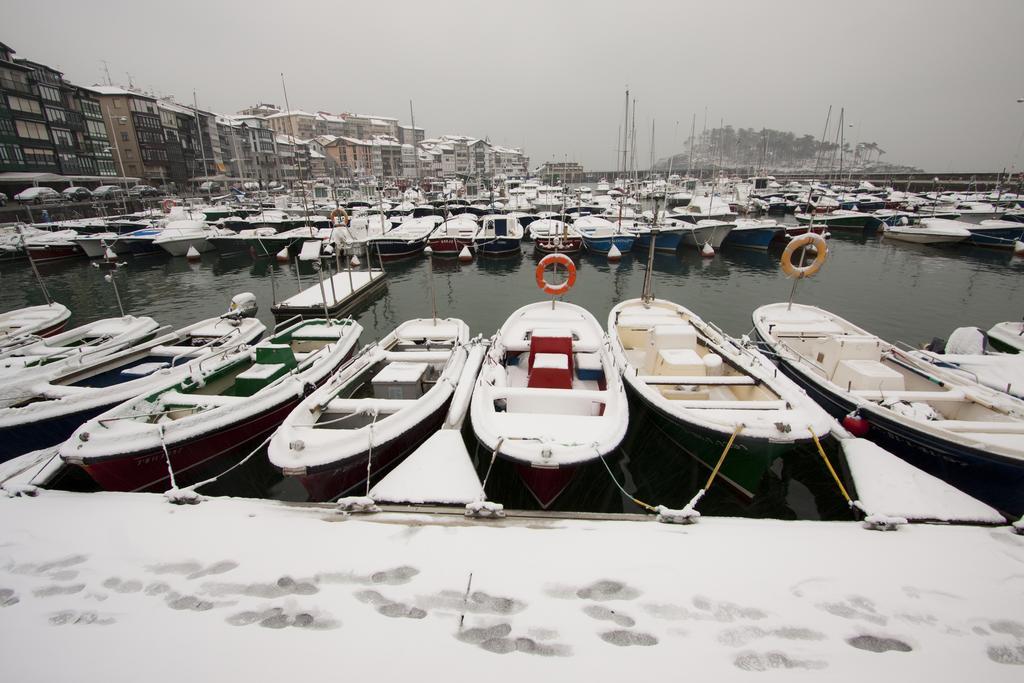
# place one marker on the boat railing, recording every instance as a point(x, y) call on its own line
point(286, 323)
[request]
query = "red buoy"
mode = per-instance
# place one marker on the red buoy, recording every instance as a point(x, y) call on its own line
point(856, 425)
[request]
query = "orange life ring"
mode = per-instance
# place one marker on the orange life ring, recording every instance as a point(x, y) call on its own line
point(561, 288)
point(339, 212)
point(166, 205)
point(809, 238)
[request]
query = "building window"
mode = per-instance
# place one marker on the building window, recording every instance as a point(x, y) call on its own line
point(41, 157)
point(11, 154)
point(6, 127)
point(63, 137)
point(56, 115)
point(117, 104)
point(50, 94)
point(32, 130)
point(91, 109)
point(96, 129)
point(22, 104)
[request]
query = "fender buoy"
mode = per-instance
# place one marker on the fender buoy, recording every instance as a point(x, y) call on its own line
point(563, 287)
point(166, 205)
point(339, 212)
point(807, 239)
point(856, 425)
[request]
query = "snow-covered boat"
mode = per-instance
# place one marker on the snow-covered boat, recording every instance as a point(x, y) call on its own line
point(96, 244)
point(928, 231)
point(377, 408)
point(226, 403)
point(599, 234)
point(408, 239)
point(702, 387)
point(54, 246)
point(44, 411)
point(704, 208)
point(178, 237)
point(996, 233)
point(498, 235)
point(75, 347)
point(548, 397)
point(551, 235)
point(967, 434)
point(706, 231)
point(25, 325)
point(452, 235)
point(752, 233)
point(837, 218)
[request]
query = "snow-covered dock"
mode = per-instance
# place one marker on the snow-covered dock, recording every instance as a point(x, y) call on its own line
point(343, 292)
point(99, 586)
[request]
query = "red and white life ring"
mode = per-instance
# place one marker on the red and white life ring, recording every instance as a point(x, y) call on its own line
point(562, 287)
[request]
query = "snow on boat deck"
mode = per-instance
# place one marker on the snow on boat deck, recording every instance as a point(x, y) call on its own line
point(98, 586)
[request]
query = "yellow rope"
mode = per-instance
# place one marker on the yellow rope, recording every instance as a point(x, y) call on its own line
point(649, 508)
point(829, 466)
point(721, 458)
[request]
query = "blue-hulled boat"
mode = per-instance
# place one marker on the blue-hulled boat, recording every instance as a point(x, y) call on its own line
point(670, 235)
point(753, 234)
point(995, 233)
point(948, 425)
point(406, 240)
point(498, 235)
point(599, 234)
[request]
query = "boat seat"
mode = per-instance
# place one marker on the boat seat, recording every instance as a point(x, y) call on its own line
point(143, 369)
point(674, 362)
point(174, 398)
point(550, 371)
point(732, 380)
point(551, 342)
point(988, 427)
point(553, 401)
point(875, 395)
point(716, 404)
point(418, 356)
point(588, 367)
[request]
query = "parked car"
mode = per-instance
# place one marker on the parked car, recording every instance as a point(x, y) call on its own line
point(77, 194)
point(107, 192)
point(143, 191)
point(38, 195)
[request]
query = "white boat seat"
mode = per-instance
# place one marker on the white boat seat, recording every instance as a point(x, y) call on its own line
point(174, 398)
point(322, 331)
point(554, 361)
point(697, 379)
point(990, 427)
point(875, 395)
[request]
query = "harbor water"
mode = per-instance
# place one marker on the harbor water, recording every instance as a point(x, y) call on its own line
point(902, 292)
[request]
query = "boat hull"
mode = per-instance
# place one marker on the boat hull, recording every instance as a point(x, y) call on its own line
point(602, 245)
point(500, 246)
point(41, 253)
point(26, 437)
point(995, 480)
point(1000, 238)
point(558, 245)
point(759, 238)
point(338, 479)
point(665, 241)
point(392, 249)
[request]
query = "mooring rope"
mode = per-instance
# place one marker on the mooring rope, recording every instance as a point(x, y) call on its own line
point(821, 451)
point(649, 508)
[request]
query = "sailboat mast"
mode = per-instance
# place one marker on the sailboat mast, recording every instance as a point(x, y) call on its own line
point(693, 129)
point(625, 134)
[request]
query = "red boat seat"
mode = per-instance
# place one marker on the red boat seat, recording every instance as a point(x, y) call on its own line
point(551, 341)
point(550, 371)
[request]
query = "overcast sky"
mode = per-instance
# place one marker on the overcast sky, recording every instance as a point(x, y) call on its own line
point(933, 82)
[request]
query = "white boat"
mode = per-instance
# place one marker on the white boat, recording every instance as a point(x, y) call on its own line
point(227, 403)
point(705, 231)
point(548, 397)
point(178, 237)
point(375, 410)
point(967, 434)
point(704, 208)
point(96, 245)
point(74, 347)
point(24, 325)
point(928, 231)
point(704, 388)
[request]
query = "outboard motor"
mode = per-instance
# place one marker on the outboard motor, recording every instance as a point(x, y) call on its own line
point(242, 306)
